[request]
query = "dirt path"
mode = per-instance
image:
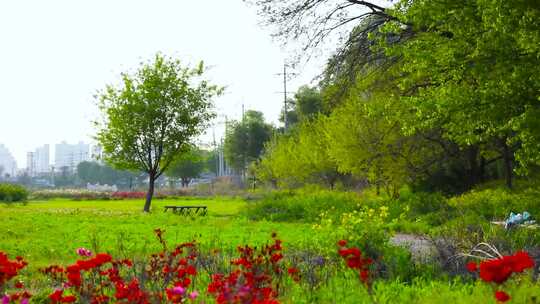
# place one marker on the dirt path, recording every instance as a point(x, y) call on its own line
point(421, 248)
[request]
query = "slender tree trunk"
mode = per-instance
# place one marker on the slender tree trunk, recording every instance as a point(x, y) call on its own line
point(474, 169)
point(185, 182)
point(507, 158)
point(150, 193)
point(482, 169)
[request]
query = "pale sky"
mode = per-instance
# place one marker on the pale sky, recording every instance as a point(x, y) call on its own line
point(55, 54)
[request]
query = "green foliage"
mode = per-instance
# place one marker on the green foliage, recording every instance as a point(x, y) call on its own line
point(12, 193)
point(75, 195)
point(153, 115)
point(188, 165)
point(469, 70)
point(299, 157)
point(244, 140)
point(496, 204)
point(306, 105)
point(302, 205)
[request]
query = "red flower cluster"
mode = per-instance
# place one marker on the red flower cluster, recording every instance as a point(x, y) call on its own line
point(58, 297)
point(9, 269)
point(353, 258)
point(499, 270)
point(101, 279)
point(294, 273)
point(501, 296)
point(252, 279)
point(127, 195)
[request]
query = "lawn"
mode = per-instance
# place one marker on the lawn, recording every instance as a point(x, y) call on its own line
point(49, 232)
point(46, 232)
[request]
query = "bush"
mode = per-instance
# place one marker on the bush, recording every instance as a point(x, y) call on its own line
point(303, 205)
point(12, 193)
point(83, 194)
point(74, 194)
point(491, 204)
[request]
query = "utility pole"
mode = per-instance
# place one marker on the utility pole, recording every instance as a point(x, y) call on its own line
point(285, 104)
point(285, 96)
point(216, 153)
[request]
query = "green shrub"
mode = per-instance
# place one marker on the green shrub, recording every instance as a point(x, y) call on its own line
point(12, 193)
point(303, 205)
point(496, 204)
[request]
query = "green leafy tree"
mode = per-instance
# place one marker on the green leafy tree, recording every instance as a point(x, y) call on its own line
point(89, 172)
point(300, 156)
point(309, 102)
point(153, 115)
point(187, 166)
point(306, 105)
point(244, 140)
point(472, 69)
point(280, 164)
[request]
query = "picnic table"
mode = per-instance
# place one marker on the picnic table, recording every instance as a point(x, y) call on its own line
point(188, 210)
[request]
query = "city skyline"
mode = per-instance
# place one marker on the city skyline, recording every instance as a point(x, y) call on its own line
point(39, 160)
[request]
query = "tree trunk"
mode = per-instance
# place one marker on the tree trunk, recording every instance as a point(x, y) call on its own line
point(507, 157)
point(185, 182)
point(150, 193)
point(474, 168)
point(482, 169)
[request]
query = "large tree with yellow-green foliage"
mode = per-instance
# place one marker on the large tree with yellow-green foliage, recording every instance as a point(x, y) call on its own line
point(472, 69)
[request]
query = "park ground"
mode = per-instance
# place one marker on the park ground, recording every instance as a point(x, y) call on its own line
point(309, 222)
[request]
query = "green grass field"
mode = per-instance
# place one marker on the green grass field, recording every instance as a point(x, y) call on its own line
point(49, 232)
point(46, 232)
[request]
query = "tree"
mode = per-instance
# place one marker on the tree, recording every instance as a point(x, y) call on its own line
point(300, 156)
point(471, 69)
point(306, 105)
point(151, 117)
point(89, 172)
point(187, 166)
point(313, 22)
point(244, 140)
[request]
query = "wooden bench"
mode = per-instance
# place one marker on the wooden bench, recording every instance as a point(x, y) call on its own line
point(188, 210)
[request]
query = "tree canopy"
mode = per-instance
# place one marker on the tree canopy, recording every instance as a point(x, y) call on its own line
point(150, 118)
point(419, 89)
point(188, 166)
point(245, 139)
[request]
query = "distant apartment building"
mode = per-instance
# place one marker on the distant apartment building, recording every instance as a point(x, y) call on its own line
point(7, 161)
point(68, 155)
point(37, 162)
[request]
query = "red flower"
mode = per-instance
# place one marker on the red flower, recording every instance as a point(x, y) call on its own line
point(68, 299)
point(342, 243)
point(56, 296)
point(500, 269)
point(292, 270)
point(472, 267)
point(364, 275)
point(501, 296)
point(276, 257)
